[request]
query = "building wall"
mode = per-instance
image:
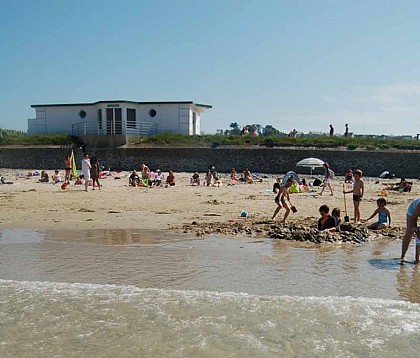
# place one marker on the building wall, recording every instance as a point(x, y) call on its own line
point(262, 160)
point(175, 118)
point(169, 117)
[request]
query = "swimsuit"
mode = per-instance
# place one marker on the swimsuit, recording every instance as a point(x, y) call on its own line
point(383, 217)
point(412, 207)
point(357, 197)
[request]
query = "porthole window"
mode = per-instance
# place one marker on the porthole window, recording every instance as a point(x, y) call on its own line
point(82, 114)
point(152, 113)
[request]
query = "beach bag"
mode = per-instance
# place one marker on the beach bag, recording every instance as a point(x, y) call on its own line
point(317, 182)
point(294, 188)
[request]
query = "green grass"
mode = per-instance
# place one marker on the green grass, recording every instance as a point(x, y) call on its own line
point(283, 141)
point(13, 137)
point(10, 137)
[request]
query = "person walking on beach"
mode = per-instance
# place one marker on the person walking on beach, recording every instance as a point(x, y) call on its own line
point(94, 172)
point(413, 214)
point(86, 170)
point(331, 130)
point(346, 131)
point(281, 197)
point(358, 191)
point(329, 174)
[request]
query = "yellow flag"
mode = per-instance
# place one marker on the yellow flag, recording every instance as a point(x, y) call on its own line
point(73, 165)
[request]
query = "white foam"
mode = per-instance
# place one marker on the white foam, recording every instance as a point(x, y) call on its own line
point(126, 291)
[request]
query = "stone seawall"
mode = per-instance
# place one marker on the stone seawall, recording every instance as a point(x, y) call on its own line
point(263, 160)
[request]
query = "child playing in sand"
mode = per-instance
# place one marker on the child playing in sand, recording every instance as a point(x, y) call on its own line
point(326, 221)
point(281, 197)
point(358, 191)
point(336, 214)
point(384, 216)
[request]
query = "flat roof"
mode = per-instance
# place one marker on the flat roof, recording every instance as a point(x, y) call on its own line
point(118, 101)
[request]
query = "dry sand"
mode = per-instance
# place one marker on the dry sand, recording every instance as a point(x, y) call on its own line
point(30, 204)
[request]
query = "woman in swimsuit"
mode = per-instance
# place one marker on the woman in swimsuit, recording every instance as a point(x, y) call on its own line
point(413, 213)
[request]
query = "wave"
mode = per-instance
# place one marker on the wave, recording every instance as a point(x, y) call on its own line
point(193, 322)
point(131, 291)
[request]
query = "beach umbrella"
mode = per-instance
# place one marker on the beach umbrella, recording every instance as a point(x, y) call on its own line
point(311, 163)
point(288, 175)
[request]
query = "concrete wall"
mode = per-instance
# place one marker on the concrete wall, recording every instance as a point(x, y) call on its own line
point(266, 160)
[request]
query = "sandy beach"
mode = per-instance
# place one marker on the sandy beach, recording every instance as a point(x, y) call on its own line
point(30, 204)
point(171, 272)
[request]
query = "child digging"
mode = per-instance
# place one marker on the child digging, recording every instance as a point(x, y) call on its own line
point(281, 197)
point(358, 191)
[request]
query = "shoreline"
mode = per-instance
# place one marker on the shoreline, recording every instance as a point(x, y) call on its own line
point(31, 205)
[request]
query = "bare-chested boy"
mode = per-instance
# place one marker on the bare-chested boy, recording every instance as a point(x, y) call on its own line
point(358, 191)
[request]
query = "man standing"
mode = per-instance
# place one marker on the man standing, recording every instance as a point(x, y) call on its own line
point(346, 132)
point(331, 130)
point(86, 170)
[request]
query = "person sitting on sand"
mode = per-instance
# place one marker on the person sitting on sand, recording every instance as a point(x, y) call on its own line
point(247, 176)
point(209, 175)
point(44, 177)
point(217, 181)
point(336, 214)
point(133, 179)
point(158, 178)
point(145, 171)
point(403, 186)
point(281, 198)
point(170, 180)
point(384, 216)
point(80, 180)
point(56, 177)
point(195, 179)
point(303, 186)
point(326, 221)
point(234, 175)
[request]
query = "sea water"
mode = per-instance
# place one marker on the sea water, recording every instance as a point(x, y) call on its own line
point(132, 294)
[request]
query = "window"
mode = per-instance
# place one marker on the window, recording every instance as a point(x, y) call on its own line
point(131, 118)
point(99, 118)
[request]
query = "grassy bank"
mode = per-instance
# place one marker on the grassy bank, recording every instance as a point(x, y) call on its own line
point(306, 141)
point(12, 137)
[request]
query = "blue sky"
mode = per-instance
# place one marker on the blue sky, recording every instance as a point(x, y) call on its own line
point(290, 64)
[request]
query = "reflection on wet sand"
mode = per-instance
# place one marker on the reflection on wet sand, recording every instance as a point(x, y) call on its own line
point(409, 283)
point(114, 237)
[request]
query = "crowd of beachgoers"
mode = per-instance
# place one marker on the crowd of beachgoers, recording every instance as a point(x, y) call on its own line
point(330, 219)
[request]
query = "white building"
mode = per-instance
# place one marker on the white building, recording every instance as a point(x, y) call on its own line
point(117, 118)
